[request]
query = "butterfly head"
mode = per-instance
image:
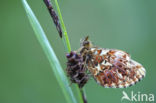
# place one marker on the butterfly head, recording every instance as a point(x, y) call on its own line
point(85, 43)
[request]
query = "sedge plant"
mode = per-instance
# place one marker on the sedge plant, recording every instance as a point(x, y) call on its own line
point(50, 54)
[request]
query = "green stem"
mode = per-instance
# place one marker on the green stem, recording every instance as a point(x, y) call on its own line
point(65, 37)
point(81, 93)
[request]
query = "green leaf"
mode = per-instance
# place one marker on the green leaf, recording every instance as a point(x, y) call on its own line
point(55, 65)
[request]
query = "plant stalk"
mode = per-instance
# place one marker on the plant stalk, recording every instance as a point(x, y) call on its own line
point(65, 38)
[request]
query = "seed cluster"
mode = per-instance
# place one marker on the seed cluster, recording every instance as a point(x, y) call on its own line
point(76, 69)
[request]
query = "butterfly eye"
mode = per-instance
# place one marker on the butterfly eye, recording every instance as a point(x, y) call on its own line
point(85, 43)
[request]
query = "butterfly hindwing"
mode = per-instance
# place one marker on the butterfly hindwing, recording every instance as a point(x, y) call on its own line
point(114, 68)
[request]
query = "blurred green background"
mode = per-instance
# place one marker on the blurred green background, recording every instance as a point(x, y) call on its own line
point(25, 73)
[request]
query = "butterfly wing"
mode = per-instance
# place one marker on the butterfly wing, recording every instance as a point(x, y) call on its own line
point(114, 68)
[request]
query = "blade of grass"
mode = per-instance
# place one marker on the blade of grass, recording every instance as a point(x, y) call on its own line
point(56, 67)
point(81, 93)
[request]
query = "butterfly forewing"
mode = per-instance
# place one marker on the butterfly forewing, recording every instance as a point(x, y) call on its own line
point(114, 68)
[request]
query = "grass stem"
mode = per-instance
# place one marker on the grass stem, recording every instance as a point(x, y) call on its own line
point(81, 92)
point(67, 42)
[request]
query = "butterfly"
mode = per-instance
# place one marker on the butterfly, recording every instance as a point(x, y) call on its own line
point(111, 68)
